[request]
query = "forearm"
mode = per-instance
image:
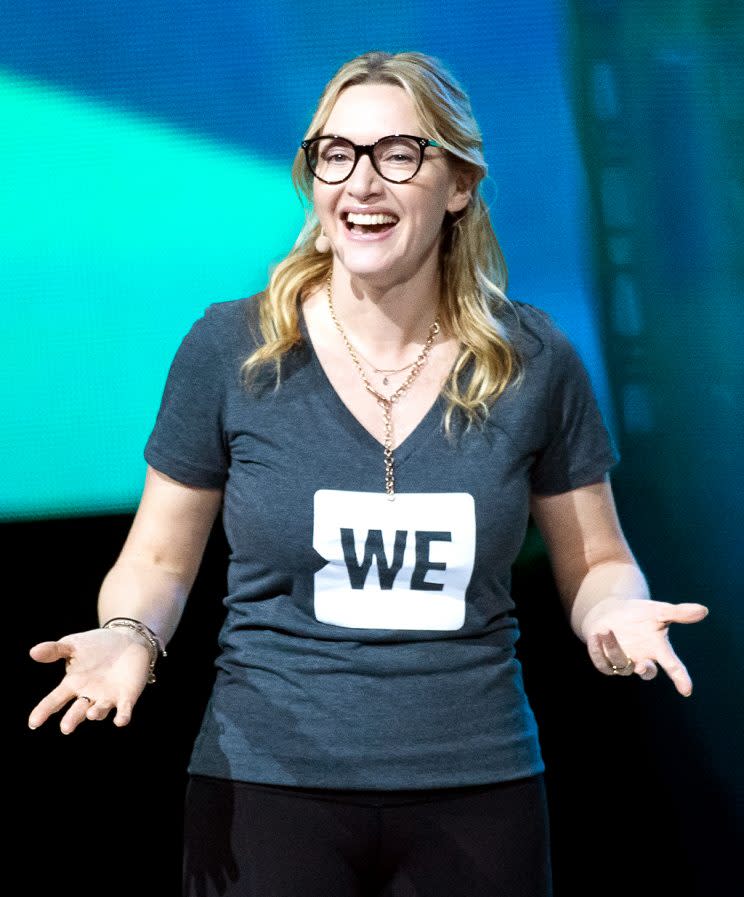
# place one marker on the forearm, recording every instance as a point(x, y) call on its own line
point(144, 592)
point(618, 580)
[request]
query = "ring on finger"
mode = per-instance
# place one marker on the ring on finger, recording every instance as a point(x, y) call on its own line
point(618, 671)
point(85, 698)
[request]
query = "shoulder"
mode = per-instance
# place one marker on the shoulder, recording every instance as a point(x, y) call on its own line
point(231, 324)
point(230, 314)
point(533, 330)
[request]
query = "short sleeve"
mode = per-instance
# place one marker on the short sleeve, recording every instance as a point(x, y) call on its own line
point(187, 441)
point(578, 448)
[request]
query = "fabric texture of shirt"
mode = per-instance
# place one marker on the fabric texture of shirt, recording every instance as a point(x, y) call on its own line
point(367, 643)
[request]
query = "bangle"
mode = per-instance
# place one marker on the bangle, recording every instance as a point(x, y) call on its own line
point(154, 642)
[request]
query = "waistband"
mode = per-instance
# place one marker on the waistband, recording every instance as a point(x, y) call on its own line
point(374, 797)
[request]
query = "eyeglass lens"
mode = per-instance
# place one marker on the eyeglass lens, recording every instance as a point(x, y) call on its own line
point(396, 158)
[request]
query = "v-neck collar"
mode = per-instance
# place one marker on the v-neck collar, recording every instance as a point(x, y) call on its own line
point(351, 423)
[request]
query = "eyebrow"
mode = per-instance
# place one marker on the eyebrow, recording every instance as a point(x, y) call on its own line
point(369, 143)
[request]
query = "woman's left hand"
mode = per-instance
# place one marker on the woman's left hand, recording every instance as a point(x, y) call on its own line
point(631, 635)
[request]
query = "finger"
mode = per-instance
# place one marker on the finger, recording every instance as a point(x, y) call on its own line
point(99, 710)
point(123, 713)
point(597, 654)
point(48, 652)
point(686, 612)
point(675, 669)
point(616, 656)
point(54, 701)
point(646, 669)
point(76, 714)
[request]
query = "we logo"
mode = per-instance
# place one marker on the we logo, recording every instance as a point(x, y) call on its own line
point(402, 564)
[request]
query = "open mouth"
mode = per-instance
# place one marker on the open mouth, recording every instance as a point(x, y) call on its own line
point(362, 223)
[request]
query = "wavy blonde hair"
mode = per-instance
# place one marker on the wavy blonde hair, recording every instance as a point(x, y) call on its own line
point(473, 272)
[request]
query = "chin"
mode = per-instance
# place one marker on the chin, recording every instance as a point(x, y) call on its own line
point(376, 273)
point(361, 265)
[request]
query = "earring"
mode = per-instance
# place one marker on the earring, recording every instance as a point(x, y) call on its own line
point(322, 243)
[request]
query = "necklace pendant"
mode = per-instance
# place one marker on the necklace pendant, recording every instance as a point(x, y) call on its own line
point(385, 402)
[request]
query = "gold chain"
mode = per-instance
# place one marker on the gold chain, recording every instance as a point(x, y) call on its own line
point(385, 371)
point(386, 402)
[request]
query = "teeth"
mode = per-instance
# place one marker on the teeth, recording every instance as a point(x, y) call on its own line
point(360, 218)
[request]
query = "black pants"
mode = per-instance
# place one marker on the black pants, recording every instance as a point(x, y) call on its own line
point(253, 840)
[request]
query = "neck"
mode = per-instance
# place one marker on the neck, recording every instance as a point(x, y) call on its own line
point(385, 321)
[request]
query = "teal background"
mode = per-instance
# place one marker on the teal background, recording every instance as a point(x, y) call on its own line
point(121, 229)
point(146, 157)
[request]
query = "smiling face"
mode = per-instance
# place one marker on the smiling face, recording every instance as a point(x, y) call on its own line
point(404, 242)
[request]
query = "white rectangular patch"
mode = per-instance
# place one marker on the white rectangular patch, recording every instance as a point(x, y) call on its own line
point(402, 564)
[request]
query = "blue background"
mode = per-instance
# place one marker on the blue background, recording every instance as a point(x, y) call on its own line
point(148, 175)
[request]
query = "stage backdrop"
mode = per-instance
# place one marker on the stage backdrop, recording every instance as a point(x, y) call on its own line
point(146, 150)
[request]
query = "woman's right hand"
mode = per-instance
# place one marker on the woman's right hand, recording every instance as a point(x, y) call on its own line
point(104, 669)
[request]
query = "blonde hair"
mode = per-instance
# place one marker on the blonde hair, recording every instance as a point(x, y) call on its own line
point(473, 272)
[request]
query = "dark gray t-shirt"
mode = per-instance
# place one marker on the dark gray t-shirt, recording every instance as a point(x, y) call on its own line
point(368, 643)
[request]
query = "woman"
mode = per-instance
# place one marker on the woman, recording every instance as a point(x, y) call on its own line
point(378, 426)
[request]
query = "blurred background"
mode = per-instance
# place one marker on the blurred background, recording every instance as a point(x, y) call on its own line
point(145, 151)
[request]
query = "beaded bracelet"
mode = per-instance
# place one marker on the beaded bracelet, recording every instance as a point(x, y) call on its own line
point(156, 645)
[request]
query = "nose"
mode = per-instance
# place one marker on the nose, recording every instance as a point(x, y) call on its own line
point(364, 181)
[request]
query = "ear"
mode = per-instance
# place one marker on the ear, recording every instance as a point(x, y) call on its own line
point(461, 191)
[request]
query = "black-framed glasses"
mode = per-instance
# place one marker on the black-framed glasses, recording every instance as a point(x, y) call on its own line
point(396, 158)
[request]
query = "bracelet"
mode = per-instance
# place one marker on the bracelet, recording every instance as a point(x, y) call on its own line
point(156, 645)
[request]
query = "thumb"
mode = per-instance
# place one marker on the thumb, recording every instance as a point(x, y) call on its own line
point(48, 652)
point(686, 612)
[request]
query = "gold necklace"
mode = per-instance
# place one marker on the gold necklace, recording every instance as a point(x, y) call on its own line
point(385, 371)
point(386, 402)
